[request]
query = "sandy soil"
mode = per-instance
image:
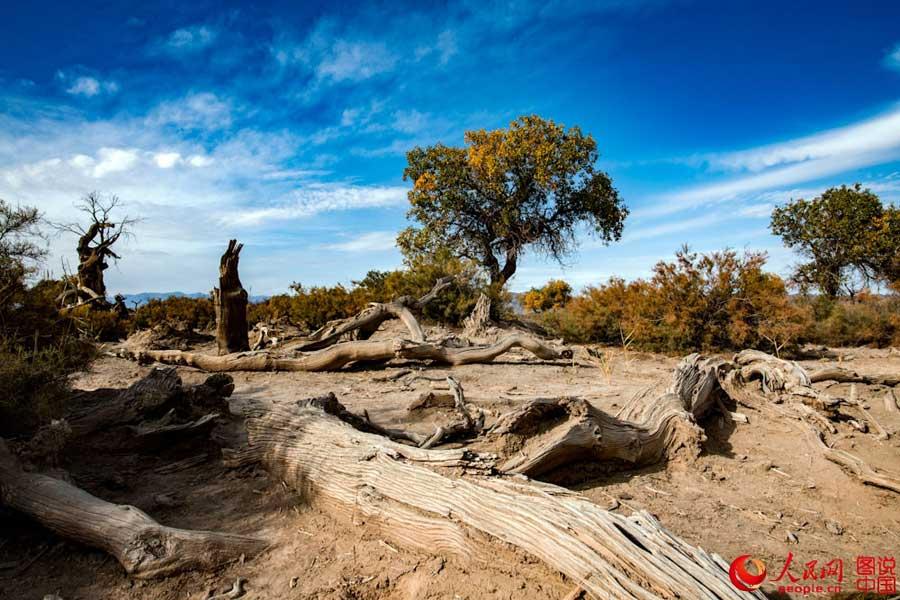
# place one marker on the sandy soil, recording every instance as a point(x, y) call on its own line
point(731, 501)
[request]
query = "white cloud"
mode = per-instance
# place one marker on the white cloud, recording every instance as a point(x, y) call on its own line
point(199, 160)
point(373, 241)
point(318, 198)
point(190, 39)
point(870, 142)
point(872, 136)
point(409, 121)
point(114, 160)
point(892, 58)
point(757, 210)
point(203, 110)
point(669, 227)
point(166, 160)
point(355, 61)
point(89, 86)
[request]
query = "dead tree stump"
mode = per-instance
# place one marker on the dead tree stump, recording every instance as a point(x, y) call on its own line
point(230, 300)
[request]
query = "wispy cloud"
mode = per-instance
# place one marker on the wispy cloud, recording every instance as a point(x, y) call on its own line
point(869, 137)
point(355, 61)
point(201, 110)
point(892, 58)
point(318, 198)
point(373, 241)
point(870, 142)
point(86, 86)
point(190, 39)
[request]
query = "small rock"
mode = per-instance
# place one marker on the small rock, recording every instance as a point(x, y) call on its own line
point(765, 465)
point(436, 565)
point(834, 527)
point(625, 496)
point(613, 505)
point(792, 538)
point(779, 515)
point(294, 581)
point(810, 486)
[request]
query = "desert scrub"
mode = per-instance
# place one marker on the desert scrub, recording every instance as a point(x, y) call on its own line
point(706, 302)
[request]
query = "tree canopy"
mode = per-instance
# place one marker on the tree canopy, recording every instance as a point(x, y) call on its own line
point(529, 185)
point(849, 238)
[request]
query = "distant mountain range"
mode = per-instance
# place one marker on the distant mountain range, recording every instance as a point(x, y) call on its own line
point(144, 297)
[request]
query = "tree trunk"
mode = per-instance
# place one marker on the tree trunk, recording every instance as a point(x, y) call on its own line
point(144, 547)
point(550, 433)
point(335, 357)
point(394, 487)
point(230, 301)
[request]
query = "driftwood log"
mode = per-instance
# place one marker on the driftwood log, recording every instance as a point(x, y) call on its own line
point(441, 501)
point(367, 322)
point(230, 300)
point(144, 547)
point(335, 357)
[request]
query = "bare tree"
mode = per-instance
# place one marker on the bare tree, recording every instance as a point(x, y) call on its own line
point(95, 244)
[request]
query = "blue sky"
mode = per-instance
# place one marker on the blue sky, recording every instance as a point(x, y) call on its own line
point(285, 124)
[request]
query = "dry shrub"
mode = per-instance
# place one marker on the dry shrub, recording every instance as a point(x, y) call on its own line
point(553, 294)
point(706, 302)
point(190, 313)
point(312, 307)
point(865, 320)
point(39, 350)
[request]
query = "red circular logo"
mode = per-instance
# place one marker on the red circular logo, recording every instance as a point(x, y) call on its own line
point(743, 579)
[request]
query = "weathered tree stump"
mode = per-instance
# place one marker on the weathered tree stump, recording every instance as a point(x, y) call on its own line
point(230, 300)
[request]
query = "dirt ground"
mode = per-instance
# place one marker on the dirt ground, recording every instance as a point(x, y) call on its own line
point(753, 484)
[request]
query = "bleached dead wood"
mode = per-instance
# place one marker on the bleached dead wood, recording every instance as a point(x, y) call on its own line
point(395, 487)
point(335, 357)
point(557, 432)
point(145, 548)
point(367, 322)
point(842, 375)
point(480, 318)
point(785, 389)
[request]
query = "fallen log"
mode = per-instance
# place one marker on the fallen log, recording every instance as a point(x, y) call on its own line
point(335, 357)
point(396, 488)
point(556, 432)
point(367, 321)
point(841, 375)
point(145, 548)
